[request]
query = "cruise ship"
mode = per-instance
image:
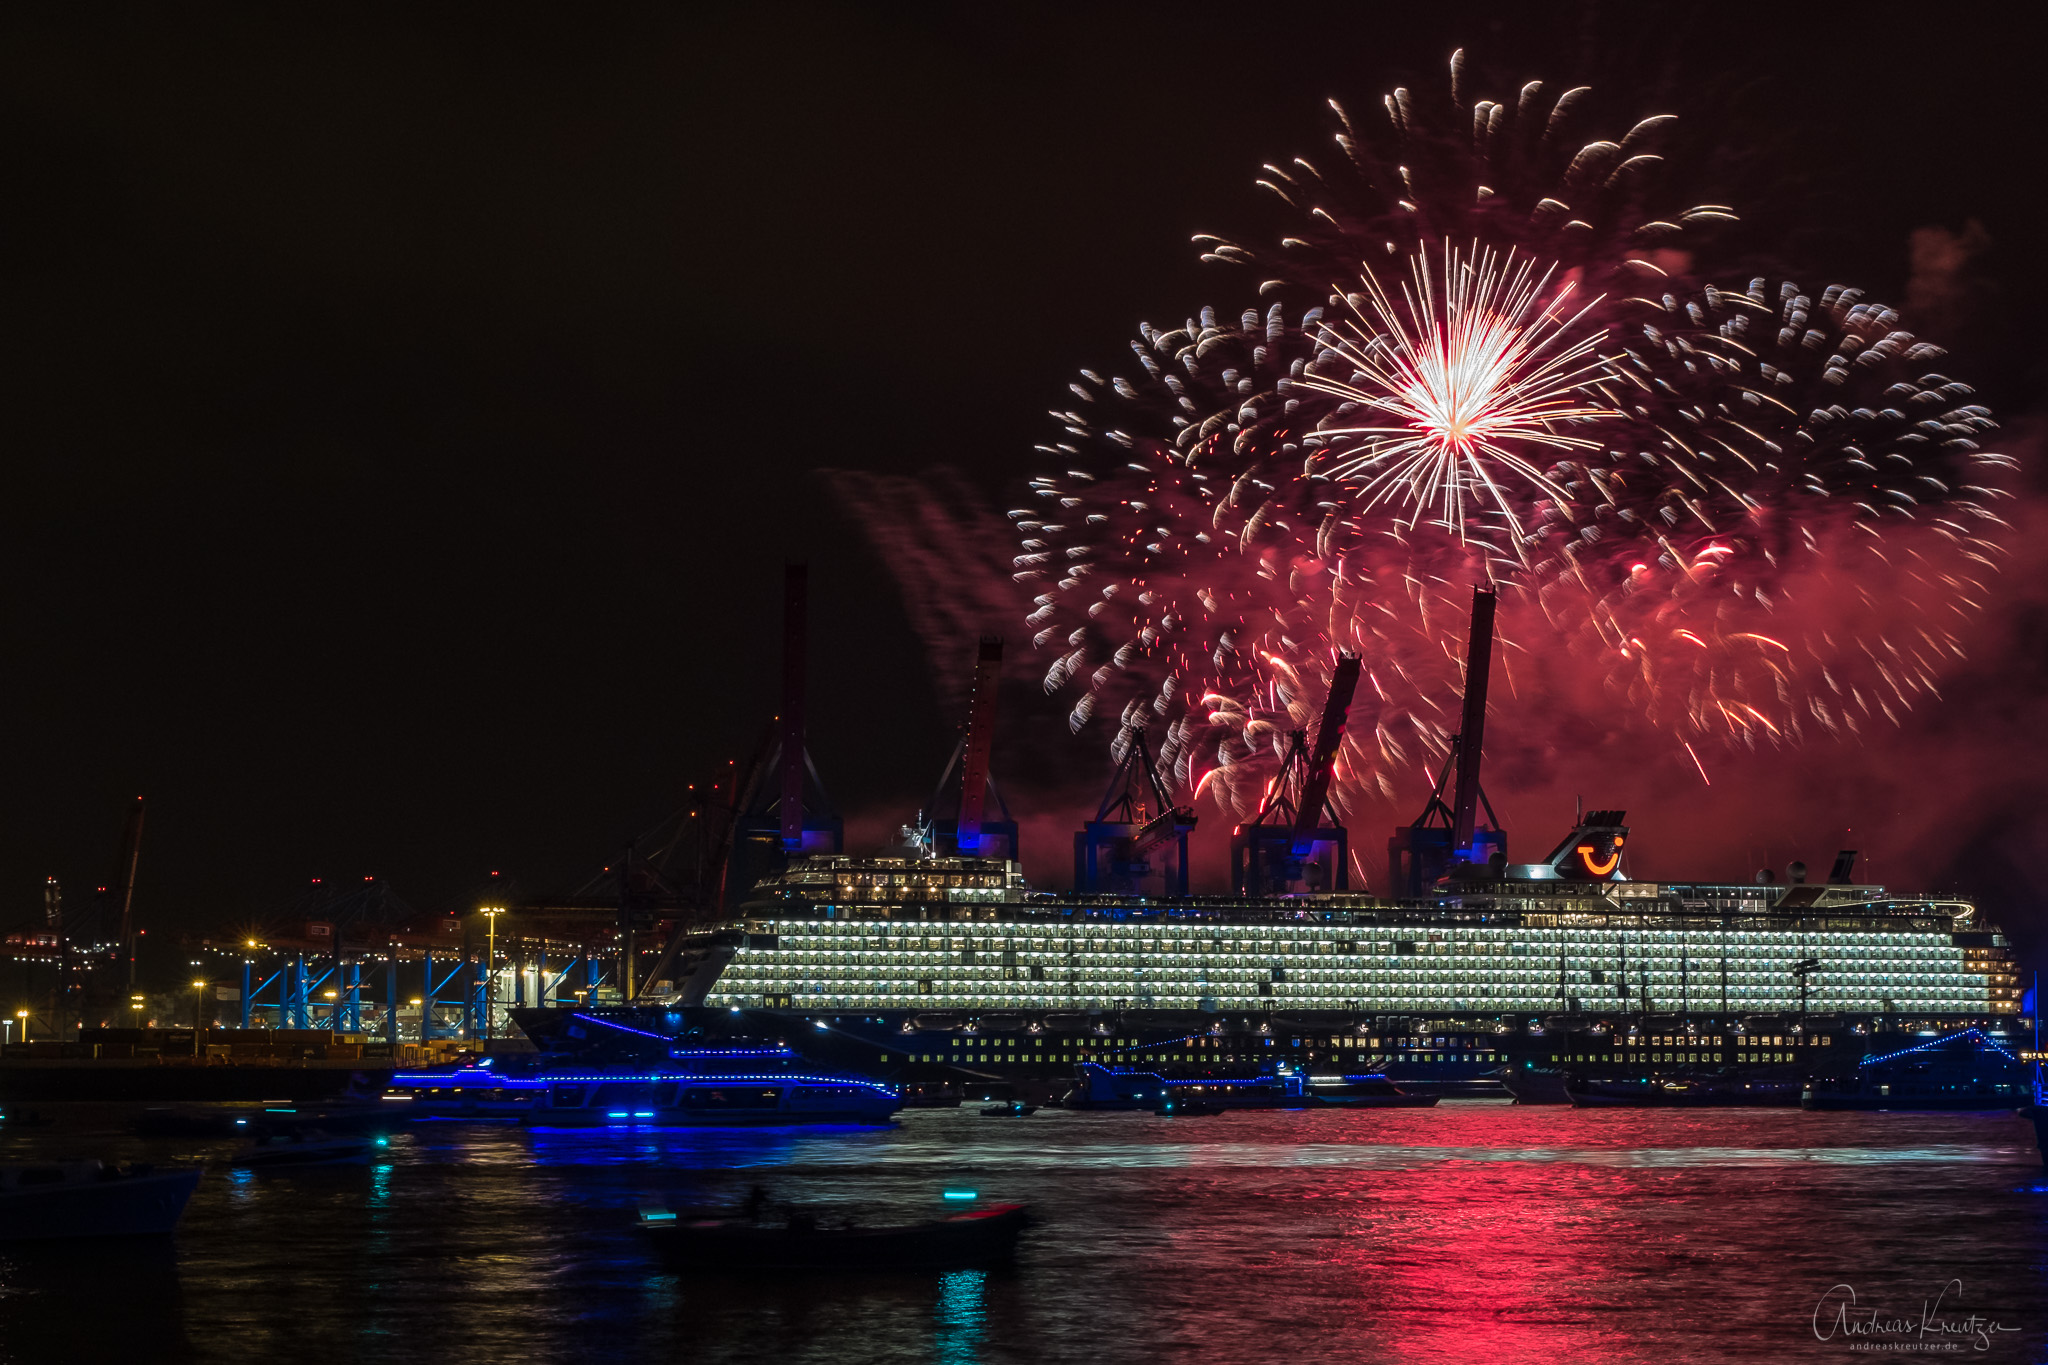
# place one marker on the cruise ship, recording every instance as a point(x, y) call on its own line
point(968, 935)
point(943, 965)
point(955, 970)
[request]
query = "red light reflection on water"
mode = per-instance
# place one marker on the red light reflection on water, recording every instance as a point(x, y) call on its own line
point(1477, 1233)
point(1484, 1261)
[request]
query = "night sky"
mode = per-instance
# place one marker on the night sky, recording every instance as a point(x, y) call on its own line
point(406, 413)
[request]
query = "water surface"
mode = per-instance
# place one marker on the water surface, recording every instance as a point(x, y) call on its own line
point(1474, 1231)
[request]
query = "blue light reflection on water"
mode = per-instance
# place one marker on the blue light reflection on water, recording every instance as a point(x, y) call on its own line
point(1460, 1233)
point(961, 1317)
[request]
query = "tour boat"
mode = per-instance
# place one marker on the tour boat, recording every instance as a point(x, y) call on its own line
point(690, 1098)
point(1968, 1069)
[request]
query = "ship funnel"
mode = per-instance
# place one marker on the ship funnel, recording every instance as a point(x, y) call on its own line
point(1590, 853)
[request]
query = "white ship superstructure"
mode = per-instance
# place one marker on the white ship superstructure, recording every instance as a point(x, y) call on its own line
point(967, 934)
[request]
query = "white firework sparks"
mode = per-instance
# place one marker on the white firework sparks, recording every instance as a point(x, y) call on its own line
point(1465, 375)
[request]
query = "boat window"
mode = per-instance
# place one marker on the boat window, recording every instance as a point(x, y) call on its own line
point(568, 1096)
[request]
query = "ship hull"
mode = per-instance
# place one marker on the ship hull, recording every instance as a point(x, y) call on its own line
point(1034, 1056)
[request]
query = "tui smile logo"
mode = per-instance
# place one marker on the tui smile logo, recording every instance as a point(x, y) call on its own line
point(1599, 862)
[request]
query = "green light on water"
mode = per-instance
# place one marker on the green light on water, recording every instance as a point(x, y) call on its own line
point(962, 1194)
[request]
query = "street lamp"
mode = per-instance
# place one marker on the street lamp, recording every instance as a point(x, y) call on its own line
point(135, 1002)
point(491, 913)
point(23, 1016)
point(198, 1014)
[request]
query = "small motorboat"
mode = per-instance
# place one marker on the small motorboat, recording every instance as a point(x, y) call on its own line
point(184, 1121)
point(1681, 1091)
point(296, 1147)
point(930, 1097)
point(1009, 1109)
point(360, 1108)
point(90, 1199)
point(1536, 1085)
point(1366, 1092)
point(463, 1092)
point(982, 1237)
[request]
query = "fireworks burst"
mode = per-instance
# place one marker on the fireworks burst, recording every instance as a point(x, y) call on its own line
point(1463, 377)
point(1743, 513)
point(1798, 518)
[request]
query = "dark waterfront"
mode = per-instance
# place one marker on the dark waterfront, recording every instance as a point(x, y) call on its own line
point(1476, 1231)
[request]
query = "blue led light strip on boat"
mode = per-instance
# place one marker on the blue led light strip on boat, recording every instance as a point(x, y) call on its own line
point(717, 1079)
point(693, 1077)
point(1976, 1033)
point(606, 1023)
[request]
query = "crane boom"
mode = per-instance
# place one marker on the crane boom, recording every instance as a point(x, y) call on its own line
point(1161, 827)
point(795, 592)
point(1472, 729)
point(1315, 787)
point(981, 724)
point(131, 859)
